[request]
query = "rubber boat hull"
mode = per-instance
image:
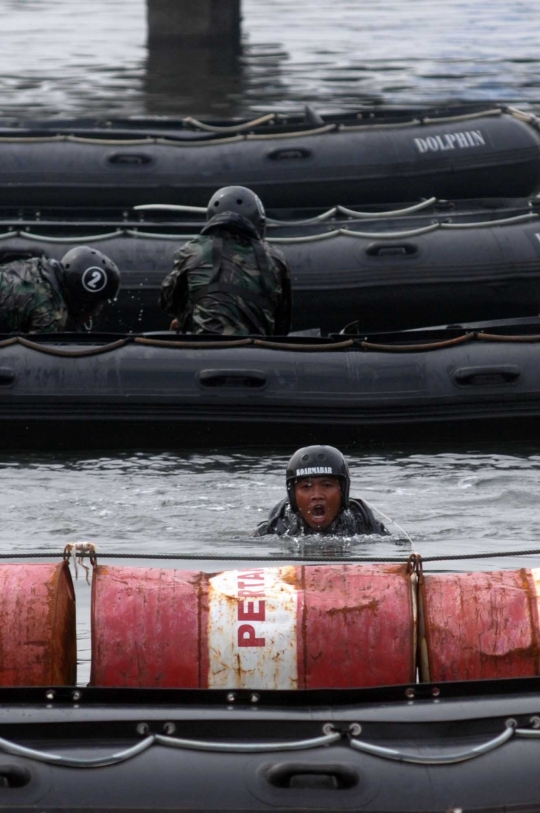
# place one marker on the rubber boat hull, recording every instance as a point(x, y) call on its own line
point(444, 264)
point(168, 390)
point(433, 721)
point(367, 156)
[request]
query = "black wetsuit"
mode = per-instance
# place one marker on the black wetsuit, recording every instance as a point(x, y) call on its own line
point(356, 519)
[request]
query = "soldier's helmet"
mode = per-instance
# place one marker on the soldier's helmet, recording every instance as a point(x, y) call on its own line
point(316, 461)
point(240, 200)
point(89, 278)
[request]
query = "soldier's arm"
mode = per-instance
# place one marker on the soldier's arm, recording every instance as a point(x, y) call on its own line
point(174, 288)
point(45, 319)
point(284, 309)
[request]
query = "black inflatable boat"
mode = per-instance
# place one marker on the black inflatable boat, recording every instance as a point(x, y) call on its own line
point(434, 262)
point(433, 748)
point(373, 155)
point(166, 390)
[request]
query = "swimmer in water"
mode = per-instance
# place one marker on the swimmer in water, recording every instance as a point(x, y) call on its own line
point(318, 502)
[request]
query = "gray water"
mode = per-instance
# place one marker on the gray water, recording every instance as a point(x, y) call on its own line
point(208, 504)
point(90, 58)
point(59, 58)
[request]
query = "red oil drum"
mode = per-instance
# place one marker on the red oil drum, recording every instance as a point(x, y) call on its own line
point(265, 628)
point(479, 625)
point(38, 644)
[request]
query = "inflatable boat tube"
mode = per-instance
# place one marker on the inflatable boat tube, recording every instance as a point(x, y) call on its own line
point(82, 389)
point(369, 156)
point(37, 630)
point(437, 266)
point(265, 628)
point(472, 746)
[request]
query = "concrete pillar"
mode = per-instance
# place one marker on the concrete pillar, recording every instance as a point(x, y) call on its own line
point(189, 80)
point(194, 22)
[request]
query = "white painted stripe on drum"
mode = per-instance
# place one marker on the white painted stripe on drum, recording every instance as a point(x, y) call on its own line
point(252, 629)
point(535, 573)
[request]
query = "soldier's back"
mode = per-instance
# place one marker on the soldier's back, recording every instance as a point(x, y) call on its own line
point(236, 293)
point(28, 302)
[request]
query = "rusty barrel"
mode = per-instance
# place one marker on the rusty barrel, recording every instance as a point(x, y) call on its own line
point(37, 625)
point(479, 625)
point(265, 628)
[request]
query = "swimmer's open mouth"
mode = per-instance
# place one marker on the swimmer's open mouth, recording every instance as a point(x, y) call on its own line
point(318, 510)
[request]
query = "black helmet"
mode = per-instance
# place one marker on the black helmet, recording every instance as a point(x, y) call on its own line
point(89, 277)
point(316, 461)
point(241, 201)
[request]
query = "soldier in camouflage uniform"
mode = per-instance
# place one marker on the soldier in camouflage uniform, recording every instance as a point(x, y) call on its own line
point(39, 295)
point(228, 280)
point(318, 500)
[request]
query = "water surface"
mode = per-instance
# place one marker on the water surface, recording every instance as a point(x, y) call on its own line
point(91, 58)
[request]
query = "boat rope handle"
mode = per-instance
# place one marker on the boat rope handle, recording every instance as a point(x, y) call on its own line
point(425, 759)
point(329, 737)
point(323, 347)
point(270, 221)
point(341, 232)
point(170, 207)
point(422, 121)
point(145, 141)
point(12, 748)
point(236, 128)
point(43, 238)
point(240, 136)
point(496, 111)
point(417, 207)
point(411, 348)
point(520, 115)
point(483, 224)
point(374, 125)
point(301, 133)
point(210, 142)
point(320, 348)
point(192, 345)
point(96, 350)
point(251, 747)
point(495, 337)
point(136, 233)
point(9, 747)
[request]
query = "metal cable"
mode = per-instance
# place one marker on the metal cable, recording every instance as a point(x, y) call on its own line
point(273, 558)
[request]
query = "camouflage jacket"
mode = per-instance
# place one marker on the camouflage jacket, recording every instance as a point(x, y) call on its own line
point(228, 281)
point(30, 298)
point(358, 518)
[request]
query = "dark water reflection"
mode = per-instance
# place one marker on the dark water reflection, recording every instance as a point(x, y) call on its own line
point(92, 58)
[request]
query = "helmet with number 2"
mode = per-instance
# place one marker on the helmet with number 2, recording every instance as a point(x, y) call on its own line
point(89, 278)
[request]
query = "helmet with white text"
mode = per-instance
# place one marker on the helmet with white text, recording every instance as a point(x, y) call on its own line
point(317, 461)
